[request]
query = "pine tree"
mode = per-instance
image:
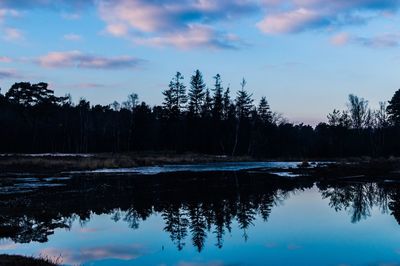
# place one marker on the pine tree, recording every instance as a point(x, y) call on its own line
point(264, 111)
point(217, 98)
point(243, 101)
point(175, 96)
point(207, 105)
point(243, 108)
point(196, 94)
point(168, 104)
point(226, 103)
point(179, 90)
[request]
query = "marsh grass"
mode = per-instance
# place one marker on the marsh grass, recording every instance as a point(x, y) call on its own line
point(16, 260)
point(22, 163)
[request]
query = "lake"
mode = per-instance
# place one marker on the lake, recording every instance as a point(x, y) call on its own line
point(203, 215)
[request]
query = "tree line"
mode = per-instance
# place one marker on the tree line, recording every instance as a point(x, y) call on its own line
point(193, 118)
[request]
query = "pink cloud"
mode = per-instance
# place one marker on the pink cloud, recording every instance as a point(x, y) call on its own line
point(8, 245)
point(118, 29)
point(8, 12)
point(291, 16)
point(383, 40)
point(9, 74)
point(5, 59)
point(141, 15)
point(182, 24)
point(81, 256)
point(288, 22)
point(81, 60)
point(13, 34)
point(72, 37)
point(193, 36)
point(340, 39)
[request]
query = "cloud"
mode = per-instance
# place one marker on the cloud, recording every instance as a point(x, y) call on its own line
point(8, 245)
point(89, 85)
point(53, 4)
point(384, 40)
point(340, 39)
point(12, 34)
point(183, 24)
point(8, 12)
point(71, 16)
point(5, 59)
point(81, 60)
point(292, 16)
point(176, 22)
point(194, 36)
point(81, 256)
point(8, 74)
point(168, 15)
point(291, 21)
point(72, 37)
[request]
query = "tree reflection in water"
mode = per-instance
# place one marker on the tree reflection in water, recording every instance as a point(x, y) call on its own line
point(193, 206)
point(358, 198)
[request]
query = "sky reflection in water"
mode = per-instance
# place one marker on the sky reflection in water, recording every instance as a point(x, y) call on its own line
point(269, 224)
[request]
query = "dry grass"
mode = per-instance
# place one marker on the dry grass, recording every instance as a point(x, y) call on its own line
point(15, 260)
point(21, 163)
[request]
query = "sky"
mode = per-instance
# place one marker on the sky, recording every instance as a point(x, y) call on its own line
point(305, 56)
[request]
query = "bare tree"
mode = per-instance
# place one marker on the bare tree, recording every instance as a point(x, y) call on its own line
point(360, 114)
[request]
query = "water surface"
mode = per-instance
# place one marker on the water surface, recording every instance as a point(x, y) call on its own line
point(201, 218)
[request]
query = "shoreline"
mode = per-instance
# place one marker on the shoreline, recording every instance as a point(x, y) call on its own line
point(50, 163)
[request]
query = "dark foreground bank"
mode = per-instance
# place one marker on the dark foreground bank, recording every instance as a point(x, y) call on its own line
point(14, 260)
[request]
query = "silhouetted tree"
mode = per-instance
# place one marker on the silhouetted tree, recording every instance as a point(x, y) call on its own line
point(198, 226)
point(243, 101)
point(176, 225)
point(131, 102)
point(393, 108)
point(207, 105)
point(360, 114)
point(243, 106)
point(334, 118)
point(227, 104)
point(175, 96)
point(196, 94)
point(264, 111)
point(28, 94)
point(339, 119)
point(381, 116)
point(217, 110)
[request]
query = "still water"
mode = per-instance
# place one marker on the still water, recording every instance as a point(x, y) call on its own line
point(205, 218)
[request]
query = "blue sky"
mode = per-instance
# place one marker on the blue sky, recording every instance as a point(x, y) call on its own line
point(305, 56)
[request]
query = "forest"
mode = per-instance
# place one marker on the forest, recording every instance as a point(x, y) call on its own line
point(192, 118)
